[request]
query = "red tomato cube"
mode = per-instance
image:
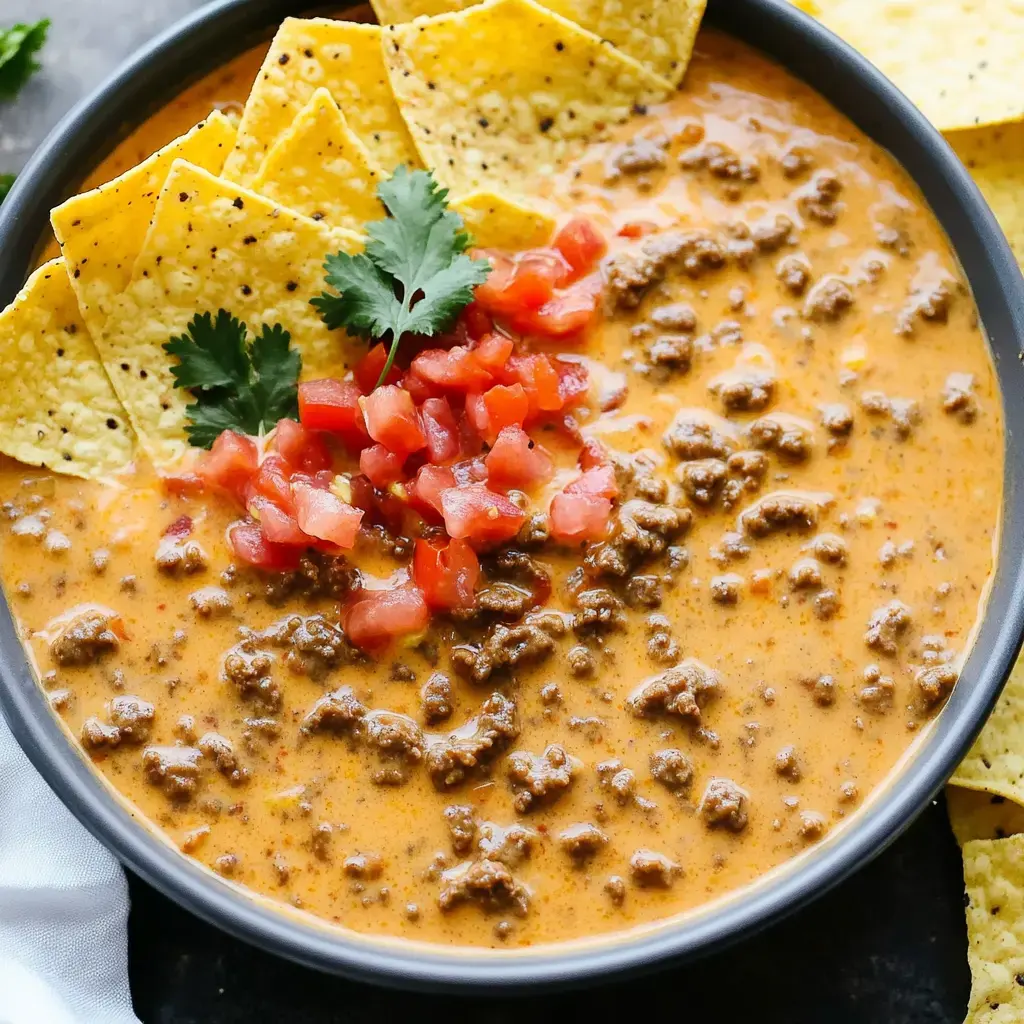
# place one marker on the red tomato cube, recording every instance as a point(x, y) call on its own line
point(323, 515)
point(375, 617)
point(516, 460)
point(446, 573)
point(579, 517)
point(480, 515)
point(392, 420)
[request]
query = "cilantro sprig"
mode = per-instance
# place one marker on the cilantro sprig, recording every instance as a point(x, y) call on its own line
point(6, 184)
point(413, 277)
point(238, 384)
point(18, 46)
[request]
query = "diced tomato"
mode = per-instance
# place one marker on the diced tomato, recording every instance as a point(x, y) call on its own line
point(376, 617)
point(322, 514)
point(391, 420)
point(383, 467)
point(579, 517)
point(573, 382)
point(480, 515)
point(637, 228)
point(517, 461)
point(469, 471)
point(539, 378)
point(521, 282)
point(181, 527)
point(301, 447)
point(593, 453)
point(277, 525)
point(230, 463)
point(476, 321)
point(333, 405)
point(506, 407)
point(598, 481)
point(446, 573)
point(424, 490)
point(581, 244)
point(569, 312)
point(440, 429)
point(249, 545)
point(367, 371)
point(184, 484)
point(455, 369)
point(492, 352)
point(273, 480)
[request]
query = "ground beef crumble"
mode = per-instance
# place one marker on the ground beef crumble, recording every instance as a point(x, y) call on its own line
point(450, 761)
point(681, 690)
point(540, 778)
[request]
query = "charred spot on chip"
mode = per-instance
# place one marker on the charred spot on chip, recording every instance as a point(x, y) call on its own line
point(238, 204)
point(182, 197)
point(283, 59)
point(249, 240)
point(246, 290)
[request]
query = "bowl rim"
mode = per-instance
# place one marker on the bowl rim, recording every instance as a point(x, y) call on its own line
point(863, 95)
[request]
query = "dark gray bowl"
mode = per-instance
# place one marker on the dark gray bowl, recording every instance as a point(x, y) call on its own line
point(223, 29)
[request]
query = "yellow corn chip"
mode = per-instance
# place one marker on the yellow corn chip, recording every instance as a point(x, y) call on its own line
point(215, 245)
point(958, 60)
point(995, 158)
point(977, 815)
point(499, 223)
point(60, 410)
point(340, 56)
point(995, 764)
point(658, 33)
point(497, 96)
point(994, 880)
point(320, 169)
point(101, 231)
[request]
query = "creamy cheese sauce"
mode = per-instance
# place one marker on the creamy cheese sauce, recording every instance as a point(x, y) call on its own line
point(851, 321)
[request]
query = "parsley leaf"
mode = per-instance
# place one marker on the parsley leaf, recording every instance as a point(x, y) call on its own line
point(414, 276)
point(18, 47)
point(238, 384)
point(6, 184)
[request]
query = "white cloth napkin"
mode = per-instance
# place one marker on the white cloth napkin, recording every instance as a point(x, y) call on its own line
point(63, 909)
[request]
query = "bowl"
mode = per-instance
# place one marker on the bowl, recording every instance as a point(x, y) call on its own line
point(223, 29)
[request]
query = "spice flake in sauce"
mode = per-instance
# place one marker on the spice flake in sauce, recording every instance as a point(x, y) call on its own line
point(807, 435)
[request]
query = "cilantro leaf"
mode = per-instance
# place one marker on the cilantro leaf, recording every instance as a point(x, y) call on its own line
point(18, 47)
point(414, 276)
point(6, 184)
point(238, 385)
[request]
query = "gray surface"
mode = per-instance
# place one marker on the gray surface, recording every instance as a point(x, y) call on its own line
point(887, 947)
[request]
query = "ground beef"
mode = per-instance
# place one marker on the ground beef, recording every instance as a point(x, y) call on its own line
point(618, 779)
point(812, 826)
point(689, 438)
point(819, 198)
point(132, 717)
point(174, 769)
point(635, 157)
point(85, 639)
point(318, 575)
point(210, 602)
point(582, 841)
point(805, 574)
point(930, 304)
point(826, 605)
point(644, 591)
point(532, 640)
point(958, 398)
point(539, 778)
point(364, 866)
point(248, 668)
point(726, 589)
point(97, 734)
point(722, 163)
point(314, 646)
point(828, 300)
point(828, 547)
point(795, 161)
point(787, 764)
point(771, 233)
point(779, 511)
point(631, 274)
point(836, 418)
point(450, 761)
point(878, 691)
point(724, 805)
point(398, 741)
point(501, 600)
point(220, 751)
point(534, 533)
point(886, 625)
point(580, 661)
point(461, 822)
point(489, 884)
point(180, 556)
point(599, 611)
point(750, 466)
point(744, 389)
point(638, 476)
point(337, 712)
point(676, 316)
point(935, 682)
point(672, 768)
point(681, 690)
point(703, 479)
point(436, 697)
point(661, 647)
point(649, 869)
point(640, 531)
point(673, 352)
point(509, 844)
point(794, 273)
point(387, 543)
point(823, 689)
point(785, 435)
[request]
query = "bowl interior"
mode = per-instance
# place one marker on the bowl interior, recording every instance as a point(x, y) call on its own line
point(224, 29)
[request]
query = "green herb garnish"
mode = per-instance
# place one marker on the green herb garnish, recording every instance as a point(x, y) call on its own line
point(18, 47)
point(414, 276)
point(238, 384)
point(6, 184)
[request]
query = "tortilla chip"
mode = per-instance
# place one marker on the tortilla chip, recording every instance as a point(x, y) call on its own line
point(658, 33)
point(499, 223)
point(958, 60)
point(994, 879)
point(995, 158)
point(60, 411)
point(101, 231)
point(320, 169)
point(499, 95)
point(977, 815)
point(340, 56)
point(995, 764)
point(215, 245)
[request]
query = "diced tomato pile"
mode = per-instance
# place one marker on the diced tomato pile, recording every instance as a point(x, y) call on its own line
point(446, 437)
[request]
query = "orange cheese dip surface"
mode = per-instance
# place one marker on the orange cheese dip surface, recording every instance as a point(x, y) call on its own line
point(801, 413)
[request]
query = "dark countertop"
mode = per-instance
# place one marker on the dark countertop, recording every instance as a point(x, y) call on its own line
point(886, 947)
